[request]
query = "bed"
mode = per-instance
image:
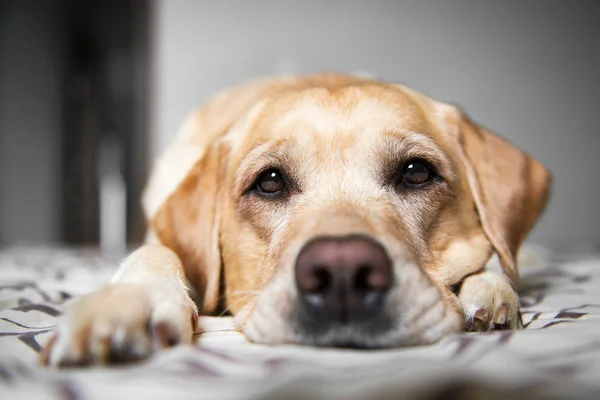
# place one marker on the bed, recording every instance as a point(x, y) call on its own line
point(557, 355)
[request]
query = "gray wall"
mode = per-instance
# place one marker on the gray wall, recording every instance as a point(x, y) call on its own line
point(30, 121)
point(526, 69)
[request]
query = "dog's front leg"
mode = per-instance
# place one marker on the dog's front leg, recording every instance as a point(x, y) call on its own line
point(145, 308)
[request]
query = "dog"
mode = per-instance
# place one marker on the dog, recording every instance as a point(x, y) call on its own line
point(323, 210)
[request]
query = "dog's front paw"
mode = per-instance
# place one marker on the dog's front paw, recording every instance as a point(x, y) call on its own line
point(120, 323)
point(489, 302)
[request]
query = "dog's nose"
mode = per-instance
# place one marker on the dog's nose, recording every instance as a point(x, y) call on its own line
point(343, 279)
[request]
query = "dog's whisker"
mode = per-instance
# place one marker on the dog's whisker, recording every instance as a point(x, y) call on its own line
point(245, 292)
point(245, 297)
point(236, 292)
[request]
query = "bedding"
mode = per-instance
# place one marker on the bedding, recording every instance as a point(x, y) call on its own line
point(557, 355)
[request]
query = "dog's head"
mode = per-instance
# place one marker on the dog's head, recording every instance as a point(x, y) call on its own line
point(339, 211)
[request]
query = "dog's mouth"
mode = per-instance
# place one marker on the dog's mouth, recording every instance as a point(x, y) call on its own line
point(351, 327)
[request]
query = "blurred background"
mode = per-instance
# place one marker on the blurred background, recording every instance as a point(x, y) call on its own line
point(91, 92)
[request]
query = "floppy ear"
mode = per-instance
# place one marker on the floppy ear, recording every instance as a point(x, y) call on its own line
point(510, 188)
point(181, 200)
point(187, 222)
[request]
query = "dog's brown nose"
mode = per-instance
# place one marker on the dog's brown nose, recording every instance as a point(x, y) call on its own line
point(343, 279)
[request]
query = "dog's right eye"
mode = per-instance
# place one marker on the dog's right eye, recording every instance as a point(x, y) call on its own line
point(271, 183)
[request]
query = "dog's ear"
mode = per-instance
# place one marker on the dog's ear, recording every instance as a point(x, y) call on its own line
point(187, 222)
point(182, 198)
point(510, 188)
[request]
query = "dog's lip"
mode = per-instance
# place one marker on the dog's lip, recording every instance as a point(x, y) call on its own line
point(351, 345)
point(371, 304)
point(342, 332)
point(369, 342)
point(435, 321)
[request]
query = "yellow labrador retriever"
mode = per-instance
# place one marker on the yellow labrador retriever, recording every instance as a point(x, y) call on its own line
point(326, 210)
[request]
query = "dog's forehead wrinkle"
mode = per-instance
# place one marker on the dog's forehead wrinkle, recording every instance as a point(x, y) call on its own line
point(343, 111)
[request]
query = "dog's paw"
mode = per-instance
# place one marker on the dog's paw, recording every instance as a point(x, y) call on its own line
point(121, 323)
point(489, 302)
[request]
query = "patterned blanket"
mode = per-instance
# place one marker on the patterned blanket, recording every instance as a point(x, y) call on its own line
point(557, 355)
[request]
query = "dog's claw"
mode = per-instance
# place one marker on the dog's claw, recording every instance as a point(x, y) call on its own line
point(501, 315)
point(489, 303)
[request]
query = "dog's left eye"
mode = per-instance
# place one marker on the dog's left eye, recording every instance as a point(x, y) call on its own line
point(270, 182)
point(416, 173)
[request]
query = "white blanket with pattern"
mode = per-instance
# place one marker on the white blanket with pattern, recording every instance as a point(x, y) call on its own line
point(557, 355)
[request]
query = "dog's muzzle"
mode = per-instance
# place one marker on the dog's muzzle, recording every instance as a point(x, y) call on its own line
point(341, 281)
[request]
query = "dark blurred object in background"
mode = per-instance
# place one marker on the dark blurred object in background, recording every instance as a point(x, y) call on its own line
point(74, 102)
point(79, 125)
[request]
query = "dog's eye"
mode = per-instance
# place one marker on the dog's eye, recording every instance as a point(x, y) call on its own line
point(416, 173)
point(270, 182)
